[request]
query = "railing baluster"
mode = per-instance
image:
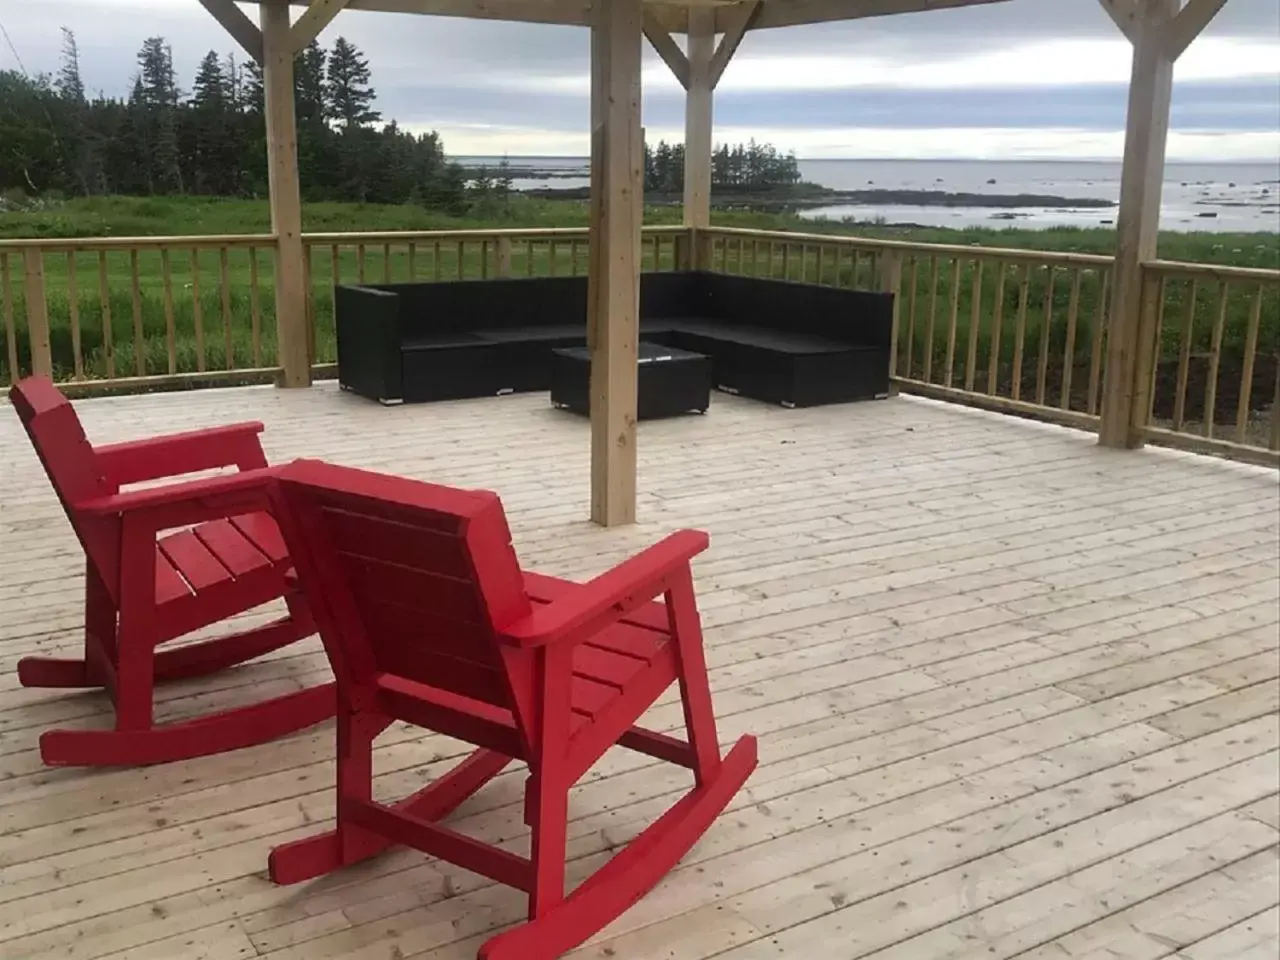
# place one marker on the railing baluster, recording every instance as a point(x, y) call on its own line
point(953, 316)
point(997, 333)
point(1020, 331)
point(413, 261)
point(73, 310)
point(786, 261)
point(104, 302)
point(139, 337)
point(10, 328)
point(484, 259)
point(1215, 359)
point(1068, 349)
point(1246, 375)
point(551, 258)
point(360, 262)
point(170, 333)
point(854, 264)
point(975, 321)
point(911, 312)
point(1184, 358)
point(386, 263)
point(197, 308)
point(1046, 326)
point(255, 305)
point(435, 261)
point(1157, 325)
point(1095, 348)
point(931, 325)
point(573, 258)
point(224, 289)
point(462, 259)
point(528, 258)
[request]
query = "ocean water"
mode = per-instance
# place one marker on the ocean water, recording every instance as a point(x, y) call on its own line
point(1219, 197)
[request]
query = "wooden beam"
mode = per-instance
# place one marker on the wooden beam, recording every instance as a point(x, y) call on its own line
point(1189, 24)
point(240, 27)
point(313, 20)
point(735, 28)
point(670, 52)
point(286, 197)
point(617, 38)
point(697, 126)
point(1124, 13)
point(1137, 223)
point(572, 12)
point(796, 12)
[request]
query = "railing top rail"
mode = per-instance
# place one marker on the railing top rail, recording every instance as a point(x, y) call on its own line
point(993, 253)
point(65, 244)
point(1211, 271)
point(511, 233)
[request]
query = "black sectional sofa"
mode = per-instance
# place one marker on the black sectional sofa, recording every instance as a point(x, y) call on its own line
point(774, 340)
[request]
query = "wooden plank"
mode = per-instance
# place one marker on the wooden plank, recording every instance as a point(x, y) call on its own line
point(1189, 23)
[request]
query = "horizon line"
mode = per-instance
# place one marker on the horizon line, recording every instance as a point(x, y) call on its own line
point(1233, 161)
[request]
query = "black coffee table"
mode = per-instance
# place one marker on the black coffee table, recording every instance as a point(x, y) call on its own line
point(671, 381)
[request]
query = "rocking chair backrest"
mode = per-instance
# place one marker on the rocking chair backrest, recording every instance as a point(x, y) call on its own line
point(70, 462)
point(404, 577)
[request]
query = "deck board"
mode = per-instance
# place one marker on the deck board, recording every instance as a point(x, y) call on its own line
point(1017, 697)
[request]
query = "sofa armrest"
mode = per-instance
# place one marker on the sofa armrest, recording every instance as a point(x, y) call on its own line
point(367, 322)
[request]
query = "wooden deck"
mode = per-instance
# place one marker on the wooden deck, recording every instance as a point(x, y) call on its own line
point(1017, 696)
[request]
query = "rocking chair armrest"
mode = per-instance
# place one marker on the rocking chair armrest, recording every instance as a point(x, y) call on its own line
point(610, 596)
point(171, 455)
point(190, 501)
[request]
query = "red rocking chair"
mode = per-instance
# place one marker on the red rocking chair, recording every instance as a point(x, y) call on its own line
point(427, 618)
point(145, 586)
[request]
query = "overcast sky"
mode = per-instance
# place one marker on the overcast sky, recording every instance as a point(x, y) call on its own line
point(1026, 78)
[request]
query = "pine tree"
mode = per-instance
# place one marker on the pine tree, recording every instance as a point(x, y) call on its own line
point(69, 84)
point(349, 97)
point(156, 96)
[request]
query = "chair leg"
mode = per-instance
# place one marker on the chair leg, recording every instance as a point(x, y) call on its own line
point(632, 872)
point(549, 816)
point(323, 853)
point(95, 669)
point(695, 689)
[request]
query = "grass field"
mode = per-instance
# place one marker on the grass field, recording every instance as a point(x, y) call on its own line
point(217, 300)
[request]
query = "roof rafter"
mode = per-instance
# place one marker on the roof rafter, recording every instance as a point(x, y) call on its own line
point(736, 25)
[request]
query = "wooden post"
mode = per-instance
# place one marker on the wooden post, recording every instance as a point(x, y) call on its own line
point(37, 313)
point(614, 290)
point(286, 197)
point(1138, 221)
point(697, 129)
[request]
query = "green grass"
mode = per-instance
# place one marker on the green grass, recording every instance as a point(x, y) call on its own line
point(221, 321)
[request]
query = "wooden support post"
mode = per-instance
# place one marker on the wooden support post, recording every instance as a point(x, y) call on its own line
point(1160, 30)
point(286, 197)
point(614, 290)
point(697, 128)
point(37, 313)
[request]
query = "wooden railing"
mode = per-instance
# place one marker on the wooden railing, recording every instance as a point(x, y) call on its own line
point(1015, 331)
point(154, 312)
point(1214, 385)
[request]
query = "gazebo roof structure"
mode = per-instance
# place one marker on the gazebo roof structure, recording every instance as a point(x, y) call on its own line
point(1160, 30)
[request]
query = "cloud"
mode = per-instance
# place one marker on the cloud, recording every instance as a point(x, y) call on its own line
point(1040, 77)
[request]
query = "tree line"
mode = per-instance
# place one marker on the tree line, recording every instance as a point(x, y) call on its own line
point(211, 140)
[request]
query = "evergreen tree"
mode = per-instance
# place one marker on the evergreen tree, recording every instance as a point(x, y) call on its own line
point(69, 84)
point(348, 95)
